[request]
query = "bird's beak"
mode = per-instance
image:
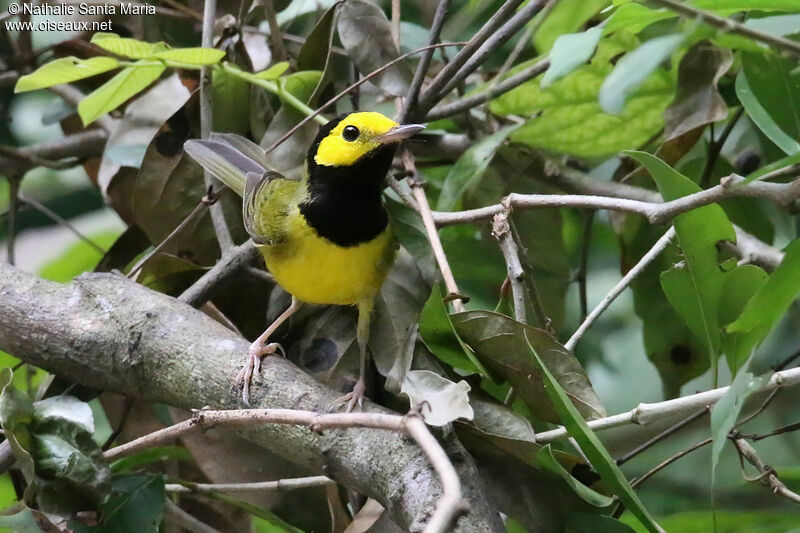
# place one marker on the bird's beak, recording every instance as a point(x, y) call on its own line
point(398, 133)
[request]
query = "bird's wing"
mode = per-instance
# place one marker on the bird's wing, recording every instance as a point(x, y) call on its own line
point(269, 198)
point(228, 157)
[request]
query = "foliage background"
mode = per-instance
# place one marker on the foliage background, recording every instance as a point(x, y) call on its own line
point(150, 185)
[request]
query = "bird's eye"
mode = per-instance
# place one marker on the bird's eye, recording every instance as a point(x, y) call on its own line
point(350, 133)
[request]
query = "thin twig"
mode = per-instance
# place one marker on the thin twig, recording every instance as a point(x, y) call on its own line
point(647, 413)
point(449, 506)
point(13, 205)
point(229, 264)
point(200, 208)
point(261, 486)
point(496, 40)
point(660, 245)
point(410, 103)
point(767, 476)
point(780, 431)
point(396, 23)
point(730, 26)
point(661, 436)
point(429, 97)
point(783, 194)
point(52, 215)
point(275, 32)
point(221, 229)
point(583, 264)
point(35, 161)
point(650, 473)
point(468, 102)
point(715, 147)
point(416, 182)
point(501, 230)
point(123, 419)
point(541, 319)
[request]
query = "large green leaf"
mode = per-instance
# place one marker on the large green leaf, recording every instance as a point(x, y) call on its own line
point(118, 89)
point(694, 287)
point(192, 56)
point(64, 70)
point(127, 47)
point(769, 304)
point(499, 343)
point(738, 288)
point(589, 443)
point(567, 117)
point(769, 88)
point(728, 7)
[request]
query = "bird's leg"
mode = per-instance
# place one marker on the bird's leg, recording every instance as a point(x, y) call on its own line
point(258, 350)
point(356, 397)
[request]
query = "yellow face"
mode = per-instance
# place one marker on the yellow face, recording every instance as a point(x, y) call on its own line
point(352, 138)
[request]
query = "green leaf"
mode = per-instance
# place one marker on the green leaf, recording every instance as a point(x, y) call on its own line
point(117, 90)
point(438, 334)
point(739, 287)
point(442, 401)
point(366, 34)
point(633, 69)
point(635, 17)
point(273, 72)
point(568, 16)
point(591, 446)
point(569, 52)
point(729, 7)
point(136, 505)
point(469, 169)
point(567, 118)
point(192, 56)
point(694, 287)
point(769, 304)
point(72, 474)
point(770, 92)
point(127, 47)
point(499, 342)
point(727, 409)
point(151, 455)
point(16, 416)
point(547, 460)
point(64, 70)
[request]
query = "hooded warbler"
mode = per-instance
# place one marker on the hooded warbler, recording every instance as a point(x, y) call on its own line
point(326, 238)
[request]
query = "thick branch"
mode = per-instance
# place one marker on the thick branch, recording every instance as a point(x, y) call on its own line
point(106, 332)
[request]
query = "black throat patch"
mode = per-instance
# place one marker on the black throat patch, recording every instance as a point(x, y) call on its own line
point(344, 203)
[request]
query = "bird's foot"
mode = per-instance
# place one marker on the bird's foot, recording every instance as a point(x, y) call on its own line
point(252, 366)
point(354, 397)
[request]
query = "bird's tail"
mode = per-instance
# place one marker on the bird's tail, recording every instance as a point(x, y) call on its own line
point(229, 157)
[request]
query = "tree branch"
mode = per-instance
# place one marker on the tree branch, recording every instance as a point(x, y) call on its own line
point(767, 475)
point(647, 413)
point(106, 332)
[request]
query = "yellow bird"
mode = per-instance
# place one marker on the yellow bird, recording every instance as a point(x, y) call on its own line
point(326, 239)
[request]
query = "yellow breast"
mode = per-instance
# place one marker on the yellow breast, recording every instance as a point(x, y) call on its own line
point(314, 270)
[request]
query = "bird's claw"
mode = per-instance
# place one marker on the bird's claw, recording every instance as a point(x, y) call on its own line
point(354, 397)
point(252, 366)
